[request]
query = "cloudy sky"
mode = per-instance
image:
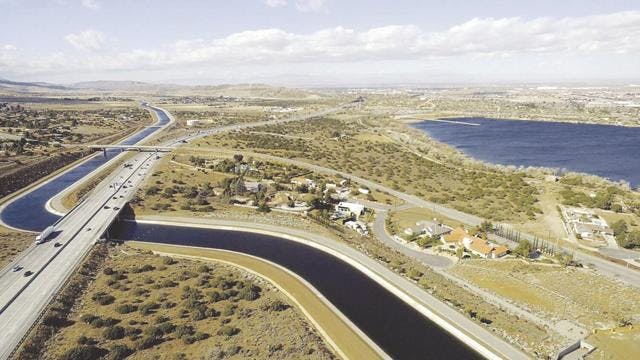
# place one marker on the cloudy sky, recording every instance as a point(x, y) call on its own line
point(320, 42)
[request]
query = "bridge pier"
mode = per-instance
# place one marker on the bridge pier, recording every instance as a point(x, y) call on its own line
point(104, 152)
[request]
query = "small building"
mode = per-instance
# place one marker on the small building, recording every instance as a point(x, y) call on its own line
point(428, 228)
point(364, 191)
point(459, 237)
point(346, 208)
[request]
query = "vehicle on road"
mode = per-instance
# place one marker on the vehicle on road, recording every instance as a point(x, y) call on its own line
point(27, 273)
point(42, 237)
point(106, 207)
point(57, 244)
point(116, 208)
point(88, 229)
point(114, 198)
point(16, 268)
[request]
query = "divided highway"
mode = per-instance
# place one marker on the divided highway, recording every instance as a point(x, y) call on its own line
point(29, 283)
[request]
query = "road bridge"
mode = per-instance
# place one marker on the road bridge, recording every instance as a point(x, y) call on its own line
point(141, 148)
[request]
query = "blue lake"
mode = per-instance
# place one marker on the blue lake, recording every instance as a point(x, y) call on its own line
point(608, 151)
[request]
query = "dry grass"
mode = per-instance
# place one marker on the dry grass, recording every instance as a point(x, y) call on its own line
point(620, 343)
point(260, 331)
point(408, 217)
point(556, 292)
point(13, 243)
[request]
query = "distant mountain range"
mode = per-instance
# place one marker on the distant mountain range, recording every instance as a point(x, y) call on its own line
point(9, 83)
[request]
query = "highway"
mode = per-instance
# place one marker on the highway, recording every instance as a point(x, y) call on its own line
point(22, 298)
point(43, 269)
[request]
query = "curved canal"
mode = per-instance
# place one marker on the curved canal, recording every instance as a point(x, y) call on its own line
point(400, 330)
point(28, 212)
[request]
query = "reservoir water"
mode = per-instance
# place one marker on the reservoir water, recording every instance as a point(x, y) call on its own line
point(605, 150)
point(401, 331)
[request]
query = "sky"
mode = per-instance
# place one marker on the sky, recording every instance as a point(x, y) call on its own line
point(320, 42)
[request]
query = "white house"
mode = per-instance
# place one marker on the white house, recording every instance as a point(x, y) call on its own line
point(346, 208)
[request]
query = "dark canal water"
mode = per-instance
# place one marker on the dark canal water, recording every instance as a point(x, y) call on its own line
point(397, 328)
point(608, 151)
point(29, 213)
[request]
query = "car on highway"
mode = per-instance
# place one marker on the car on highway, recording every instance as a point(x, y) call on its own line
point(106, 207)
point(57, 244)
point(27, 273)
point(88, 229)
point(114, 198)
point(116, 208)
point(16, 268)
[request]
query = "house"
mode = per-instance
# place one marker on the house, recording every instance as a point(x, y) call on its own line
point(483, 248)
point(427, 228)
point(454, 238)
point(345, 208)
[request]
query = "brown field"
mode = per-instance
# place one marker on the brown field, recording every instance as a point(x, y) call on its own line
point(166, 308)
point(557, 292)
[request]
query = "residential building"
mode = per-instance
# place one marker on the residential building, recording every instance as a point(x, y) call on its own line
point(345, 208)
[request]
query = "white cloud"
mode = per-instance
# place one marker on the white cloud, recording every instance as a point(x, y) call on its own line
point(90, 4)
point(601, 36)
point(311, 5)
point(275, 3)
point(9, 47)
point(87, 40)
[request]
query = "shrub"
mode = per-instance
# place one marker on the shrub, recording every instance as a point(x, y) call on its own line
point(183, 330)
point(113, 333)
point(126, 308)
point(102, 298)
point(275, 305)
point(143, 268)
point(88, 318)
point(118, 352)
point(166, 327)
point(147, 342)
point(148, 308)
point(83, 340)
point(167, 260)
point(84, 352)
point(228, 330)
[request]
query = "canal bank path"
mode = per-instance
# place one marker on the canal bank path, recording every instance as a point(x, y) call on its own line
point(474, 335)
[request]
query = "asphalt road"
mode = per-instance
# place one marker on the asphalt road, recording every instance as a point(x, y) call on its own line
point(22, 298)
